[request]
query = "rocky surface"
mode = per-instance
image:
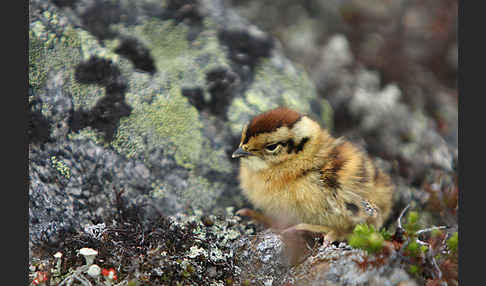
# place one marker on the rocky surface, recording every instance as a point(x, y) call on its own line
point(165, 92)
point(136, 107)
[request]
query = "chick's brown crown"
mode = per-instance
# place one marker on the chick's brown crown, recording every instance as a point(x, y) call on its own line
point(270, 121)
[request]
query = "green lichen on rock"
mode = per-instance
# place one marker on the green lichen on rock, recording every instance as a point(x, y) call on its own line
point(162, 121)
point(276, 84)
point(61, 167)
point(54, 50)
point(179, 62)
point(168, 122)
point(91, 133)
point(161, 116)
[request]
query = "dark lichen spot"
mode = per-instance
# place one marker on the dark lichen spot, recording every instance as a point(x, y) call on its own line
point(220, 83)
point(181, 10)
point(38, 130)
point(195, 96)
point(97, 71)
point(64, 3)
point(105, 115)
point(244, 48)
point(352, 208)
point(188, 12)
point(98, 18)
point(137, 53)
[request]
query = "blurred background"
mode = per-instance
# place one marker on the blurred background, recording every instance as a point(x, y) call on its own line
point(410, 43)
point(388, 68)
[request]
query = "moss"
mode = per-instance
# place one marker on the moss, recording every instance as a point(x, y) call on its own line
point(453, 241)
point(367, 238)
point(387, 235)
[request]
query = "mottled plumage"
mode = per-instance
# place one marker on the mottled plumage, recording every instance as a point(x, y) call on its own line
point(302, 178)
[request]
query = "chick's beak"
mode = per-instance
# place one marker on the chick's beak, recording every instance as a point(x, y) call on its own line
point(240, 153)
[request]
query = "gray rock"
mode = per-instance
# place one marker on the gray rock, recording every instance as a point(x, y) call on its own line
point(261, 258)
point(149, 98)
point(331, 265)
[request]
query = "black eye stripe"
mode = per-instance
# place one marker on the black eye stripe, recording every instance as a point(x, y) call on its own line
point(272, 147)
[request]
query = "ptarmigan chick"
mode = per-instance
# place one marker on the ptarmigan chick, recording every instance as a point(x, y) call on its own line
point(304, 179)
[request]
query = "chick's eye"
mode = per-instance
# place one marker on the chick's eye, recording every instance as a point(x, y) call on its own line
point(271, 148)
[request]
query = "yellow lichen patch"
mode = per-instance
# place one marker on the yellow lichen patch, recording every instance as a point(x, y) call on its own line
point(61, 167)
point(50, 54)
point(169, 122)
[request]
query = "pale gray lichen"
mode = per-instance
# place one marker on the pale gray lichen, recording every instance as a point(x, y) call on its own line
point(195, 251)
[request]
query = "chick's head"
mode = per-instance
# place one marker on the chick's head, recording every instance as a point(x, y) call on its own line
point(274, 137)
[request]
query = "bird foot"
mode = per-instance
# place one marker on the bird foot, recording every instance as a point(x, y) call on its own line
point(330, 235)
point(255, 216)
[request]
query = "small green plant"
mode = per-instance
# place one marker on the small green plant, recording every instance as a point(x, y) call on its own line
point(413, 269)
point(412, 225)
point(452, 242)
point(366, 237)
point(387, 235)
point(414, 249)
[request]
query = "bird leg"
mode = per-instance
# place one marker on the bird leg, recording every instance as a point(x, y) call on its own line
point(256, 216)
point(331, 234)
